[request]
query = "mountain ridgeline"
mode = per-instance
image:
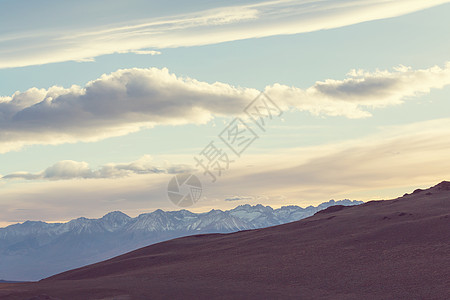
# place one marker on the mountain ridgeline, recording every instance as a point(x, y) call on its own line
point(383, 249)
point(34, 250)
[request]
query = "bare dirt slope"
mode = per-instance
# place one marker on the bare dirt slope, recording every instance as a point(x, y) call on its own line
point(396, 249)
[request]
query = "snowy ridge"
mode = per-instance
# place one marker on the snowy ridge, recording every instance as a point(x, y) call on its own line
point(26, 247)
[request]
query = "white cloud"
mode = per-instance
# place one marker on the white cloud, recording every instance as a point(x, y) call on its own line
point(113, 105)
point(142, 52)
point(220, 24)
point(127, 100)
point(239, 198)
point(69, 169)
point(352, 96)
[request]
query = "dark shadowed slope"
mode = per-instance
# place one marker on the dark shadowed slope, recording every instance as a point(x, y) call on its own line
point(397, 249)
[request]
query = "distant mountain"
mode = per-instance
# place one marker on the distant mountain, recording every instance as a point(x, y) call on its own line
point(395, 249)
point(35, 250)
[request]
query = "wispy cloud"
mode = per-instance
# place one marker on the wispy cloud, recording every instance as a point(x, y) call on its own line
point(220, 24)
point(396, 160)
point(127, 100)
point(375, 166)
point(239, 198)
point(142, 52)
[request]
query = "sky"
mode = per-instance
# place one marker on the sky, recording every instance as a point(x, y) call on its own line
point(102, 103)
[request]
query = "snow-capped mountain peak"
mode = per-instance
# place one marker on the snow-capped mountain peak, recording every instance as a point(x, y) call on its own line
point(25, 247)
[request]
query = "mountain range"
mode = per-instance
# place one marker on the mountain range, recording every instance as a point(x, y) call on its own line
point(391, 249)
point(34, 249)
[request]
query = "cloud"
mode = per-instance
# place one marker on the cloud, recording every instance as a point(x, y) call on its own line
point(128, 100)
point(113, 105)
point(215, 25)
point(239, 198)
point(352, 96)
point(69, 169)
point(142, 52)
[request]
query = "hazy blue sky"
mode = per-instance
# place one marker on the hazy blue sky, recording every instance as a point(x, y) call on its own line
point(102, 102)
